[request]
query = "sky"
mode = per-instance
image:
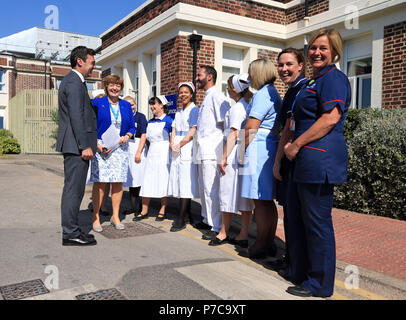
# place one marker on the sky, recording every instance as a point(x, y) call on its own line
point(88, 17)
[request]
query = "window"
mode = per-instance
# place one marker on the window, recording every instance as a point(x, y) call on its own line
point(2, 81)
point(232, 64)
point(359, 74)
point(136, 90)
point(152, 92)
point(1, 123)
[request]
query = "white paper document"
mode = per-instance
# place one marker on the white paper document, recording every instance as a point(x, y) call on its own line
point(111, 138)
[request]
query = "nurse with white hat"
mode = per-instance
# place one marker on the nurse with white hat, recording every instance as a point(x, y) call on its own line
point(183, 181)
point(230, 181)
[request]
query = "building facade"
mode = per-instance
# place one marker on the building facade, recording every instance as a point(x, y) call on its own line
point(35, 59)
point(152, 51)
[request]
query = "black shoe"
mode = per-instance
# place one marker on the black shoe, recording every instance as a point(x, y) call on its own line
point(160, 217)
point(275, 265)
point(299, 291)
point(81, 240)
point(177, 226)
point(209, 235)
point(216, 241)
point(240, 243)
point(140, 217)
point(202, 225)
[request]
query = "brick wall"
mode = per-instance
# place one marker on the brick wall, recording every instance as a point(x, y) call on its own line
point(394, 66)
point(243, 8)
point(298, 12)
point(177, 63)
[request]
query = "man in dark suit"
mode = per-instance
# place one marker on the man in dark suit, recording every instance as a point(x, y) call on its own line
point(77, 140)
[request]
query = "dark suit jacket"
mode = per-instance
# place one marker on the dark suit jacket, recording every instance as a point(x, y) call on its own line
point(77, 119)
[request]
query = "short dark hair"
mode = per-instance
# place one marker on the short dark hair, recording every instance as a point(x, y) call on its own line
point(153, 100)
point(80, 52)
point(210, 70)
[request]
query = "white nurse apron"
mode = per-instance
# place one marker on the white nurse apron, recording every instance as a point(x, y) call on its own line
point(156, 173)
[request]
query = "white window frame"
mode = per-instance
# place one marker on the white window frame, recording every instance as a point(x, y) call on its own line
point(3, 87)
point(356, 103)
point(231, 64)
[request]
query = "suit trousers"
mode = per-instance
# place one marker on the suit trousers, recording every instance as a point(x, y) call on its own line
point(75, 169)
point(209, 183)
point(312, 252)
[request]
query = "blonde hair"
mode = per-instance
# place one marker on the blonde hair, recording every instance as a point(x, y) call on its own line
point(262, 72)
point(246, 93)
point(334, 39)
point(129, 98)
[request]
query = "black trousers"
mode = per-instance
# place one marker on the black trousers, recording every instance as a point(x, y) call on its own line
point(75, 169)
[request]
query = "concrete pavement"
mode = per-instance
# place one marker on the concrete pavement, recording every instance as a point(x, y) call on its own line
point(368, 247)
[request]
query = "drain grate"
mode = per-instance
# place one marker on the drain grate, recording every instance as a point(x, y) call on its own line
point(135, 229)
point(23, 290)
point(107, 294)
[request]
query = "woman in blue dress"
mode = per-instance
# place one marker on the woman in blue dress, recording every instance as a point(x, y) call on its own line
point(260, 146)
point(319, 154)
point(110, 166)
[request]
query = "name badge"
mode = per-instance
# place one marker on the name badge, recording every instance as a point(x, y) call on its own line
point(292, 124)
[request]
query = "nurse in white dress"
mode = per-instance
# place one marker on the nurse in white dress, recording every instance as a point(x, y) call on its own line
point(137, 155)
point(183, 182)
point(230, 181)
point(156, 175)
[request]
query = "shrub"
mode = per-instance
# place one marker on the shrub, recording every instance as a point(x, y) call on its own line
point(54, 133)
point(376, 184)
point(9, 145)
point(5, 133)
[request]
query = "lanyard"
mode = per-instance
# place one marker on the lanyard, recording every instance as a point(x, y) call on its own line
point(297, 94)
point(115, 114)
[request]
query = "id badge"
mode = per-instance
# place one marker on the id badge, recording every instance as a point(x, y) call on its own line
point(292, 124)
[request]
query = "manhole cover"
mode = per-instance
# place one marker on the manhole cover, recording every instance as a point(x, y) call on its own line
point(135, 229)
point(23, 290)
point(108, 294)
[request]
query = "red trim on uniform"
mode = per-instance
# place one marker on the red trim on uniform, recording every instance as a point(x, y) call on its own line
point(311, 91)
point(318, 76)
point(333, 101)
point(315, 148)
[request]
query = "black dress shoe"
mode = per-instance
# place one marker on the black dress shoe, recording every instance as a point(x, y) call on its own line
point(177, 226)
point(209, 235)
point(160, 217)
point(216, 241)
point(299, 291)
point(240, 243)
point(202, 225)
point(140, 217)
point(80, 240)
point(88, 235)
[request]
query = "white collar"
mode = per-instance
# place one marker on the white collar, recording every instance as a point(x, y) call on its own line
point(162, 116)
point(210, 89)
point(79, 74)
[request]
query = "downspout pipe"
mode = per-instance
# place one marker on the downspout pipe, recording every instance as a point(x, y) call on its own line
point(194, 40)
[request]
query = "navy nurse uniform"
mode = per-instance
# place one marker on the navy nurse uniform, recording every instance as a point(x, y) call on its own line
point(316, 168)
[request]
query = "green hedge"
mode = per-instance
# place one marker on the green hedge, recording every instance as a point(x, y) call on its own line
point(8, 145)
point(376, 184)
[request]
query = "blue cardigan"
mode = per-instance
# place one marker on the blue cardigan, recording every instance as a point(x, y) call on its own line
point(102, 108)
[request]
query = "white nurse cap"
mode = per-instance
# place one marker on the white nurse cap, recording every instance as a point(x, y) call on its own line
point(240, 82)
point(163, 100)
